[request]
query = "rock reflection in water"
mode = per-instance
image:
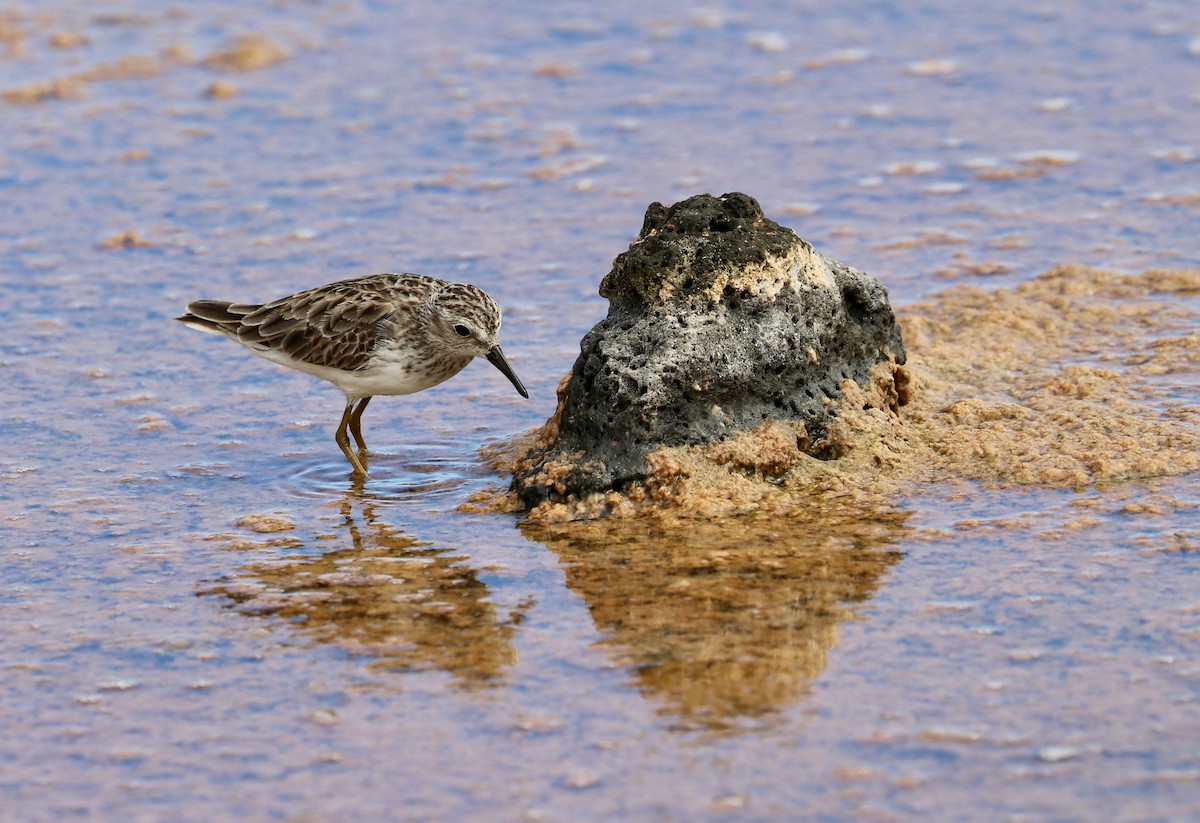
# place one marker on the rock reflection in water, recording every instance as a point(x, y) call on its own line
point(387, 596)
point(724, 623)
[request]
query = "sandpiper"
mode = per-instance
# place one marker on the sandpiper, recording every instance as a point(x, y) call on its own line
point(382, 334)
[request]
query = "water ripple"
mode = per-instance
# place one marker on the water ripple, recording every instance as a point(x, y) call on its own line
point(433, 470)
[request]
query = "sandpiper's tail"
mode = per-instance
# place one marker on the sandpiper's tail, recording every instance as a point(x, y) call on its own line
point(216, 316)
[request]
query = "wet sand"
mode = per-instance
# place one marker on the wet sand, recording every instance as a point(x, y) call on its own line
point(205, 619)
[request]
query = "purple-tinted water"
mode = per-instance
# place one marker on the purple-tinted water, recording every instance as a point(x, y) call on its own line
point(1018, 655)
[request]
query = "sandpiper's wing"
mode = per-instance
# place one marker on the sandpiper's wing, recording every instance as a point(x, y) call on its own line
point(337, 325)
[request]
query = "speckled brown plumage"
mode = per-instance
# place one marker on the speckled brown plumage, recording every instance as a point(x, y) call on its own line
point(337, 325)
point(381, 334)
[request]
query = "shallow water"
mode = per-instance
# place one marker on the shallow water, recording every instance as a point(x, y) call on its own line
point(204, 619)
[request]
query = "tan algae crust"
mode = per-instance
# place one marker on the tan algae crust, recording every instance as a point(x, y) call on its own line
point(1070, 379)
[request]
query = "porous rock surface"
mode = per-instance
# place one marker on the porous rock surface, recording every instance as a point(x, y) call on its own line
point(719, 319)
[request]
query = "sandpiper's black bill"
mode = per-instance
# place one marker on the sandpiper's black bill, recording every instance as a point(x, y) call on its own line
point(496, 358)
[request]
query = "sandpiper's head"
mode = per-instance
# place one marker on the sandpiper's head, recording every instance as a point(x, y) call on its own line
point(466, 321)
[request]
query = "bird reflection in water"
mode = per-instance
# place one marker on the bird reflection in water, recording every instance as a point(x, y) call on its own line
point(386, 595)
point(722, 624)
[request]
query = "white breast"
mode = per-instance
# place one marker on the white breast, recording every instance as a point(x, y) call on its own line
point(385, 376)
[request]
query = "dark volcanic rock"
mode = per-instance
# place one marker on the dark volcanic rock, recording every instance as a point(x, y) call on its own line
point(718, 320)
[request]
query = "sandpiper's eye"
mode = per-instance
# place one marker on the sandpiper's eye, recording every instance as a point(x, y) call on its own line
point(461, 330)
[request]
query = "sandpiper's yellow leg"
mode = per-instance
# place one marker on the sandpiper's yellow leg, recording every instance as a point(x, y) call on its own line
point(344, 442)
point(356, 423)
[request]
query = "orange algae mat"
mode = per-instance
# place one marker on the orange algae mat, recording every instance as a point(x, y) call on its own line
point(1068, 380)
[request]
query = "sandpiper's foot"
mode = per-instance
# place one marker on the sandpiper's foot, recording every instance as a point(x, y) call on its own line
point(356, 424)
point(343, 441)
